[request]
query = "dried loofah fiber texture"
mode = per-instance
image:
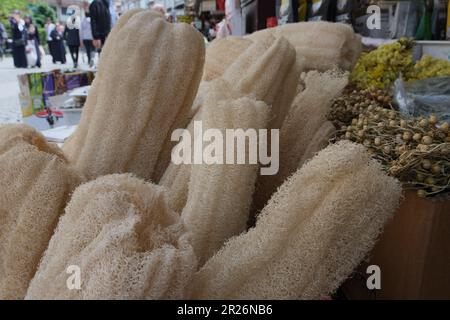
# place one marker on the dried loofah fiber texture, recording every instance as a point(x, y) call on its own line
point(126, 242)
point(311, 235)
point(324, 45)
point(138, 97)
point(268, 71)
point(307, 114)
point(35, 182)
point(219, 195)
point(221, 53)
point(176, 176)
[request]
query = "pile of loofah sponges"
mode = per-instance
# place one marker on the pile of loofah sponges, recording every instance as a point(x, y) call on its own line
point(112, 217)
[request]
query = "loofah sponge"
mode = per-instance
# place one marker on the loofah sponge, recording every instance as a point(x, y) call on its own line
point(307, 114)
point(221, 53)
point(268, 71)
point(138, 97)
point(126, 242)
point(35, 181)
point(220, 195)
point(324, 45)
point(311, 235)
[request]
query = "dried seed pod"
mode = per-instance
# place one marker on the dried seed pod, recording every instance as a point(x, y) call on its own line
point(304, 243)
point(35, 181)
point(128, 245)
point(131, 111)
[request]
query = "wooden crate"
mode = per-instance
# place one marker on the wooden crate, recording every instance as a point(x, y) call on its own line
point(413, 254)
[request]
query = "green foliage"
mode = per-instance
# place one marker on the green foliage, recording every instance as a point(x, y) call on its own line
point(6, 6)
point(40, 12)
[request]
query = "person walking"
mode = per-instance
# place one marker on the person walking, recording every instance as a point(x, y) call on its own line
point(100, 22)
point(32, 48)
point(72, 36)
point(33, 42)
point(59, 51)
point(49, 27)
point(3, 38)
point(19, 37)
point(86, 38)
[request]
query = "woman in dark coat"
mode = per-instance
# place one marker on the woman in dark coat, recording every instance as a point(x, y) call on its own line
point(33, 35)
point(59, 51)
point(72, 36)
point(19, 37)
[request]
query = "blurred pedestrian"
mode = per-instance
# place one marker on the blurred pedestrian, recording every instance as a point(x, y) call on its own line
point(19, 37)
point(49, 27)
point(86, 38)
point(33, 43)
point(100, 22)
point(32, 48)
point(72, 36)
point(3, 38)
point(59, 51)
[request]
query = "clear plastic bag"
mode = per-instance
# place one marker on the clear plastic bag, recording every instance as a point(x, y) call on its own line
point(424, 97)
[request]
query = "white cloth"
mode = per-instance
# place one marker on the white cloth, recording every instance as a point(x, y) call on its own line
point(234, 16)
point(30, 49)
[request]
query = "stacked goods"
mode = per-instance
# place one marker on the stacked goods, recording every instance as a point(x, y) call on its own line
point(128, 245)
point(307, 115)
point(306, 241)
point(381, 67)
point(146, 101)
point(415, 150)
point(124, 238)
point(268, 71)
point(323, 45)
point(36, 182)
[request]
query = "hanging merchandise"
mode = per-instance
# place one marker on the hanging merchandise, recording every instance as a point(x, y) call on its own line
point(287, 11)
point(404, 20)
point(438, 19)
point(424, 29)
point(302, 11)
point(448, 21)
point(220, 5)
point(234, 16)
point(344, 10)
point(321, 10)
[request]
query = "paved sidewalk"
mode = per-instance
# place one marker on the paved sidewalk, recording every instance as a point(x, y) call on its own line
point(9, 86)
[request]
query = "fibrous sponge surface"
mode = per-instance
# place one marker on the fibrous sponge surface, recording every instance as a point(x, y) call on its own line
point(313, 232)
point(35, 182)
point(324, 45)
point(144, 89)
point(220, 195)
point(126, 242)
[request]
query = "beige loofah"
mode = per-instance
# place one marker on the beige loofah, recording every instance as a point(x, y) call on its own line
point(319, 141)
point(269, 71)
point(220, 195)
point(35, 182)
point(176, 177)
point(311, 235)
point(306, 115)
point(324, 45)
point(144, 90)
point(221, 53)
point(125, 240)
